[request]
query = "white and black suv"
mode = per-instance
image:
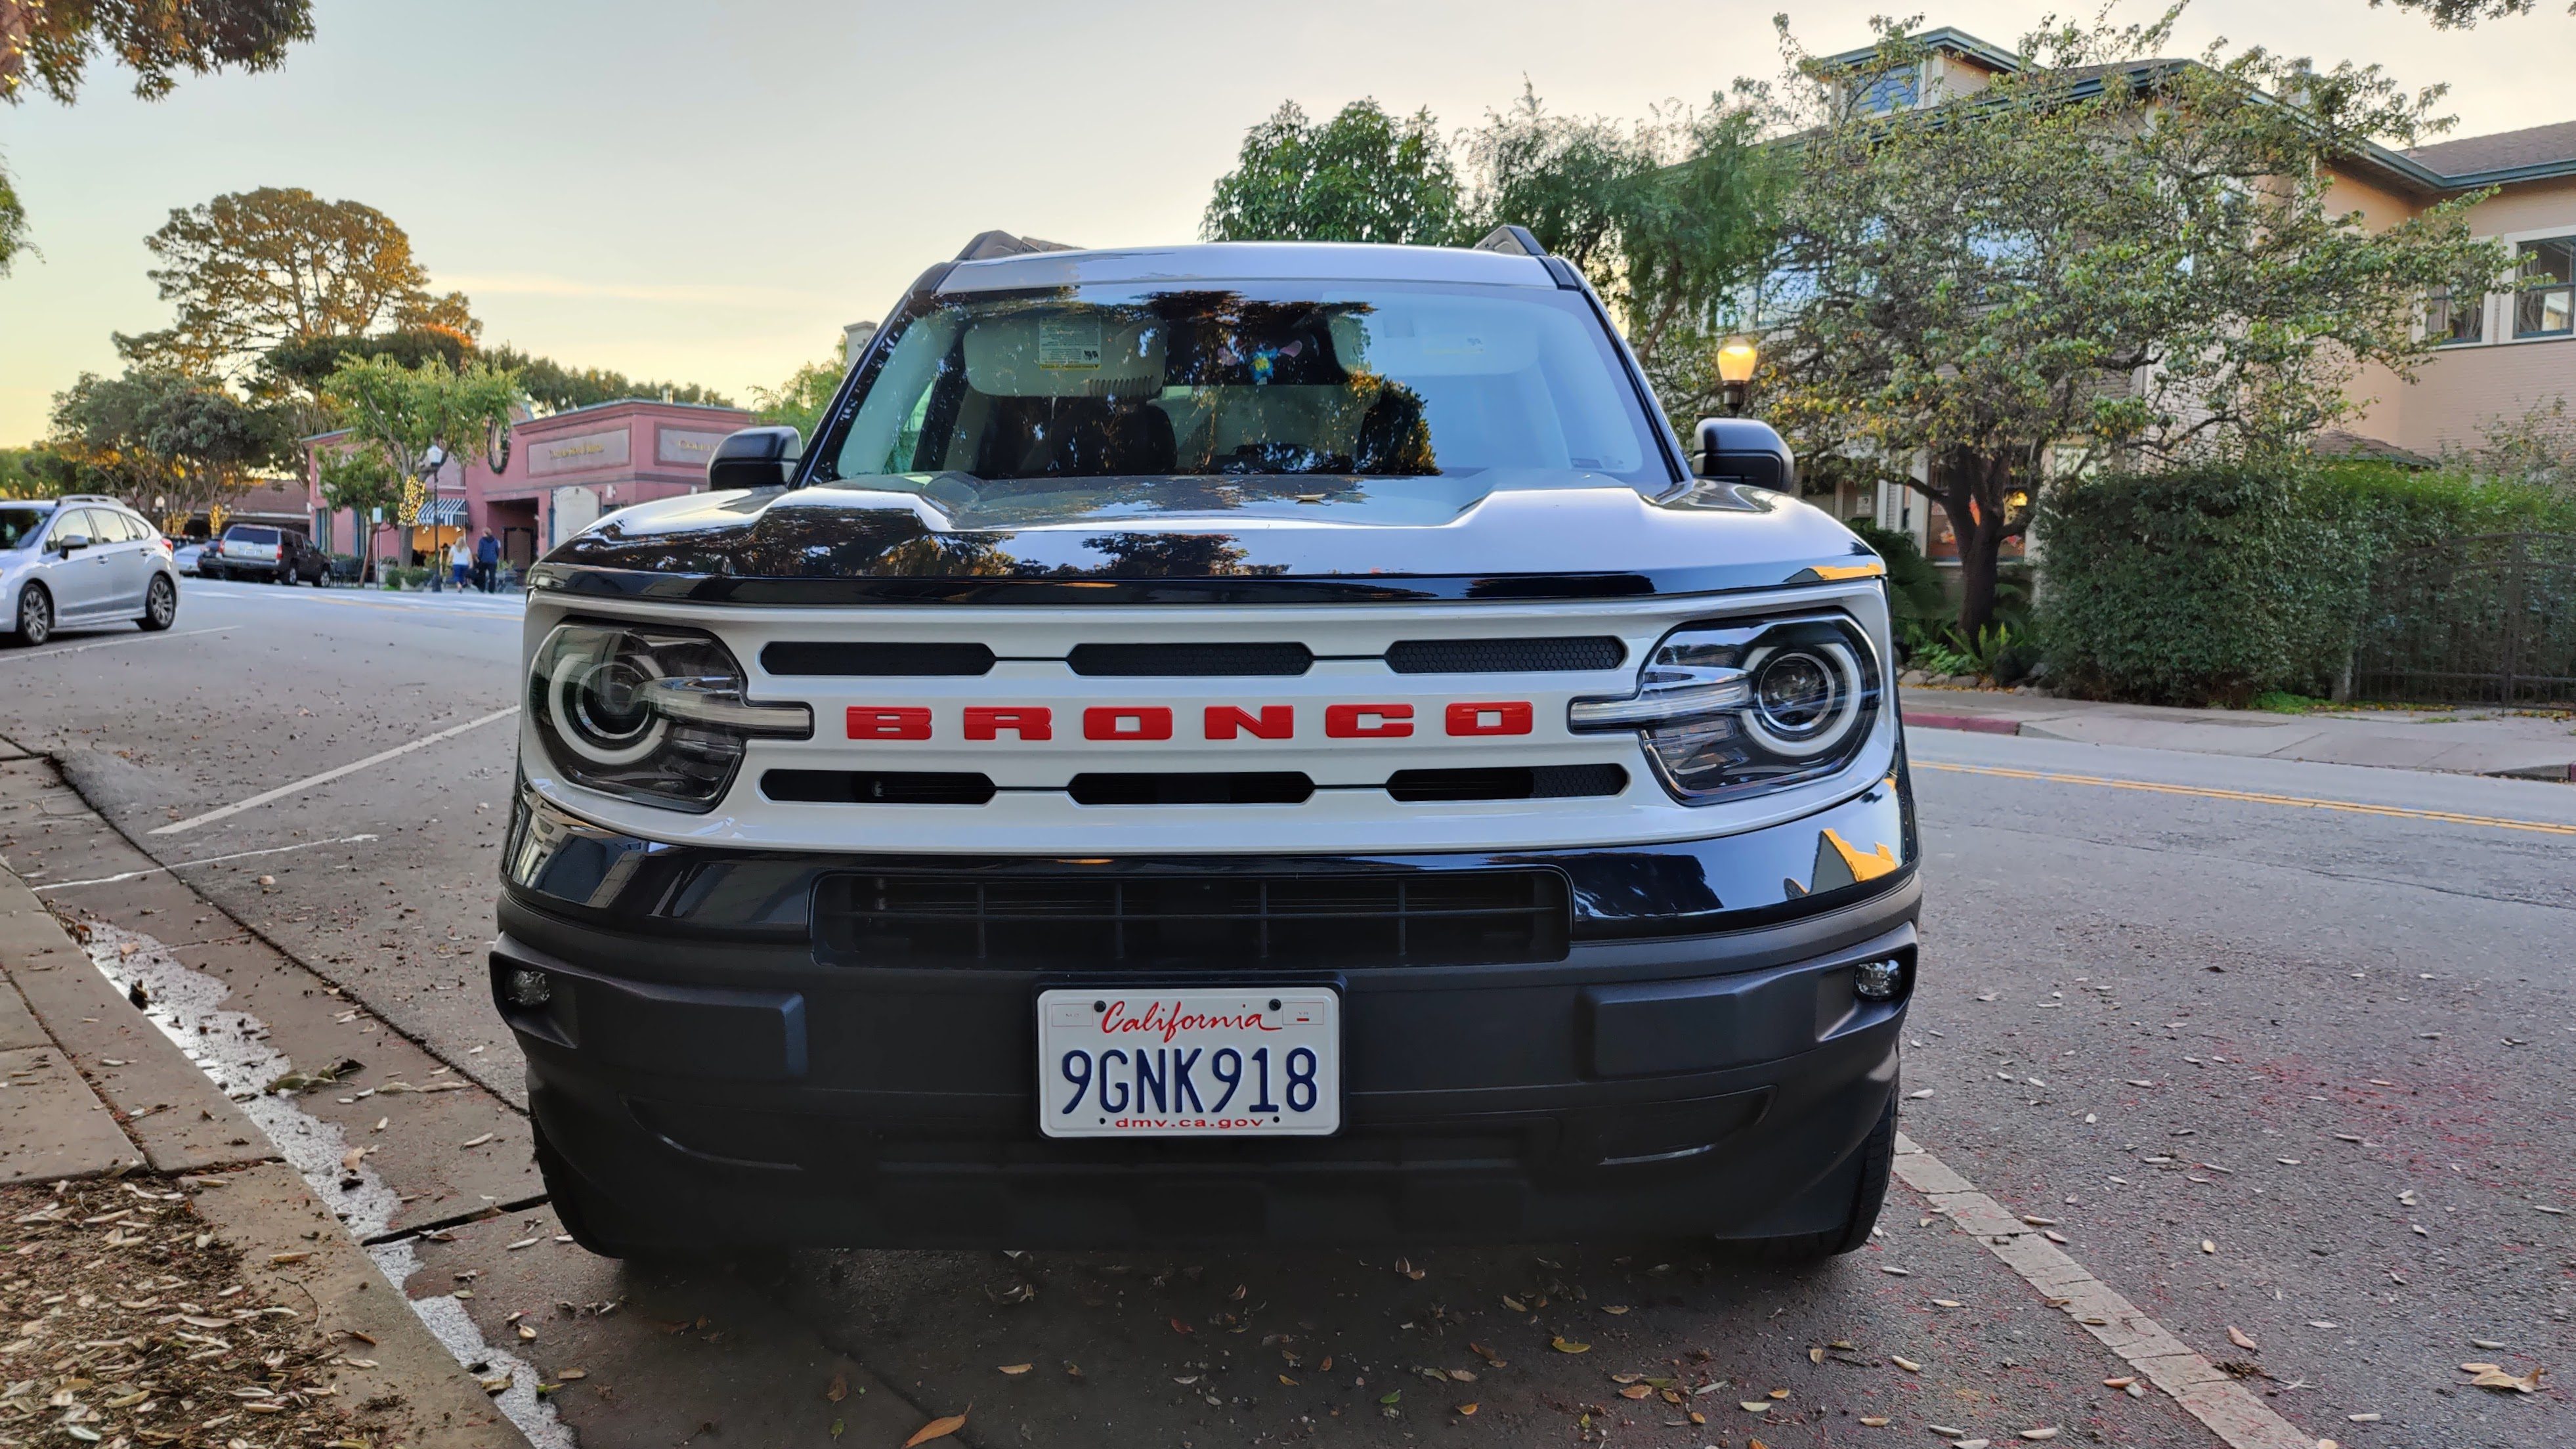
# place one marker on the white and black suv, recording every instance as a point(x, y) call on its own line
point(82, 559)
point(1237, 742)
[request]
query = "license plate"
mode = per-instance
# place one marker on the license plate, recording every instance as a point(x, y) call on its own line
point(1129, 1063)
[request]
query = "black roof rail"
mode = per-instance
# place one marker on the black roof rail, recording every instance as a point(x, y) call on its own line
point(986, 245)
point(1519, 241)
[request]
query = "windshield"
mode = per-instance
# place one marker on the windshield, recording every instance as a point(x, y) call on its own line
point(20, 525)
point(245, 533)
point(1350, 380)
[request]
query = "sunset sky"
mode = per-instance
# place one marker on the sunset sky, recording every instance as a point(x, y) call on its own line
point(707, 193)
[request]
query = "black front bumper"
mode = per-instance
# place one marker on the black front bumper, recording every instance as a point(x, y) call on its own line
point(728, 1083)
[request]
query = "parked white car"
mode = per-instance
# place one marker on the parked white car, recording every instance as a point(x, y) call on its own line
point(82, 559)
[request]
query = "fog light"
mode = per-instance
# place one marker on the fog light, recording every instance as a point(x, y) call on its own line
point(1879, 980)
point(527, 987)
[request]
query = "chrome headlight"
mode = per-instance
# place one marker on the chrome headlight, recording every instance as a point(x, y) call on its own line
point(651, 713)
point(1734, 710)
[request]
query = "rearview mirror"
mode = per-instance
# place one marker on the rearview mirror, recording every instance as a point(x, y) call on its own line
point(755, 458)
point(71, 543)
point(1741, 450)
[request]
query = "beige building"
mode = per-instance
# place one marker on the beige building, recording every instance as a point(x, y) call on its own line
point(2502, 356)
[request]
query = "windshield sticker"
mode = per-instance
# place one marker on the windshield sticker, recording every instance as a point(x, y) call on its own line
point(1069, 341)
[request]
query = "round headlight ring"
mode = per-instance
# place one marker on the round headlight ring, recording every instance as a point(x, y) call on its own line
point(1806, 697)
point(594, 703)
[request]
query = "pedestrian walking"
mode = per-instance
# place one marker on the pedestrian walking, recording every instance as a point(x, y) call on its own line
point(487, 562)
point(459, 561)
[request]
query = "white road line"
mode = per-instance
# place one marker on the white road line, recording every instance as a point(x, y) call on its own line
point(2162, 1359)
point(111, 643)
point(64, 885)
point(327, 776)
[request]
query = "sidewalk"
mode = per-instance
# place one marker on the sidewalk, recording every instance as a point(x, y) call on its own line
point(104, 1126)
point(2474, 741)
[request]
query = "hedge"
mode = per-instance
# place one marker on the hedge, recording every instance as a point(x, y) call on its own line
point(2219, 582)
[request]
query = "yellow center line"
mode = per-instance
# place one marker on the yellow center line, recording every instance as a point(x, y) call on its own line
point(2396, 812)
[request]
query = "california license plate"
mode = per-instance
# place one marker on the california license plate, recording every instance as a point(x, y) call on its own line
point(1130, 1063)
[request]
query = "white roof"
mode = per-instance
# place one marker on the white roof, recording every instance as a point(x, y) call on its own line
point(1250, 261)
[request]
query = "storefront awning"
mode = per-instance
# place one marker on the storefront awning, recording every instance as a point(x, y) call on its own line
point(442, 513)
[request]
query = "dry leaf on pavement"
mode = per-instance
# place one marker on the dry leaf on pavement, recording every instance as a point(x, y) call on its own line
point(936, 1429)
point(1017, 1369)
point(1564, 1345)
point(838, 1389)
point(2240, 1337)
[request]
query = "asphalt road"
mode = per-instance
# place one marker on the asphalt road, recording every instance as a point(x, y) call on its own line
point(2265, 1066)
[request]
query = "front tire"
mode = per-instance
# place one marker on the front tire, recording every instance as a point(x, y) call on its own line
point(1877, 1161)
point(585, 1215)
point(35, 616)
point(160, 604)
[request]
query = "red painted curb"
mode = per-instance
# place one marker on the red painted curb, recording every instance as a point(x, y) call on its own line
point(1982, 724)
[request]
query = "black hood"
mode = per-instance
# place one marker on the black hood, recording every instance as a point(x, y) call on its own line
point(1518, 534)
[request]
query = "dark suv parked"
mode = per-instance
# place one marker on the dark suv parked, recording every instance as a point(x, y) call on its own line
point(271, 555)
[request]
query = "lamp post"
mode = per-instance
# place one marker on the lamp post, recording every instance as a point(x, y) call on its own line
point(430, 463)
point(1736, 358)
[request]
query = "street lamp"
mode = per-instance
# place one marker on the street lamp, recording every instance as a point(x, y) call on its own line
point(430, 463)
point(1736, 358)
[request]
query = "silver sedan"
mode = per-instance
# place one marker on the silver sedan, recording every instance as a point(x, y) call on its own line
point(82, 559)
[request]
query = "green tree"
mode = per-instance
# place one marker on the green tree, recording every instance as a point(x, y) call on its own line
point(1666, 218)
point(2103, 251)
point(552, 387)
point(799, 402)
point(167, 443)
point(47, 45)
point(1363, 176)
point(2461, 14)
point(37, 472)
point(254, 270)
point(396, 413)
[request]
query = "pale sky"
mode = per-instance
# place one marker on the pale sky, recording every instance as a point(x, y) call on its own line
point(708, 192)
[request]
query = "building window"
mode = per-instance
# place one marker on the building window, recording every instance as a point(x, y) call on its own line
point(2544, 293)
point(1893, 90)
point(2449, 321)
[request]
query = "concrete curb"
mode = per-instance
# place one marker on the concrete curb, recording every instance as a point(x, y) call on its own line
point(1982, 724)
point(137, 1100)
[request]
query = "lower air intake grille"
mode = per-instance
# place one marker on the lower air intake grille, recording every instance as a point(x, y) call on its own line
point(1505, 656)
point(1063, 921)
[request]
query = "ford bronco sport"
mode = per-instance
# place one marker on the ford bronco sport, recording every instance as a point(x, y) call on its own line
point(1272, 742)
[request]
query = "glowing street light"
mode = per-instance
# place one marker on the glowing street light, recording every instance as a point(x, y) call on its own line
point(1736, 359)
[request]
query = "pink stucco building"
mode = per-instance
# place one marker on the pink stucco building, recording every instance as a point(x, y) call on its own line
point(563, 471)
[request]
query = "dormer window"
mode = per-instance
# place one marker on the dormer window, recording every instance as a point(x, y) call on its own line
point(1894, 90)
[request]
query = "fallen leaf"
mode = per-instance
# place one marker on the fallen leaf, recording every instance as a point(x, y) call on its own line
point(1017, 1369)
point(1637, 1391)
point(1404, 1269)
point(838, 1389)
point(2207, 1246)
point(1615, 1309)
point(1292, 1383)
point(1815, 1355)
point(2119, 1383)
point(1469, 1410)
point(1946, 1432)
point(1462, 1376)
point(1907, 1364)
point(2363, 1418)
point(1180, 1327)
point(2240, 1337)
point(1487, 1354)
point(1896, 1272)
point(1514, 1304)
point(1779, 1393)
point(572, 1373)
point(936, 1429)
point(2049, 1432)
point(1947, 1303)
point(1873, 1421)
point(1754, 1406)
point(1563, 1345)
point(478, 1141)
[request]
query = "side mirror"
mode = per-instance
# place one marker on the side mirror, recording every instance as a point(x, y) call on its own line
point(72, 543)
point(755, 458)
point(1741, 450)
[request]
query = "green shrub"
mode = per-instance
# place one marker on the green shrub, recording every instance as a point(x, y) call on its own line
point(2399, 508)
point(2212, 583)
point(1914, 590)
